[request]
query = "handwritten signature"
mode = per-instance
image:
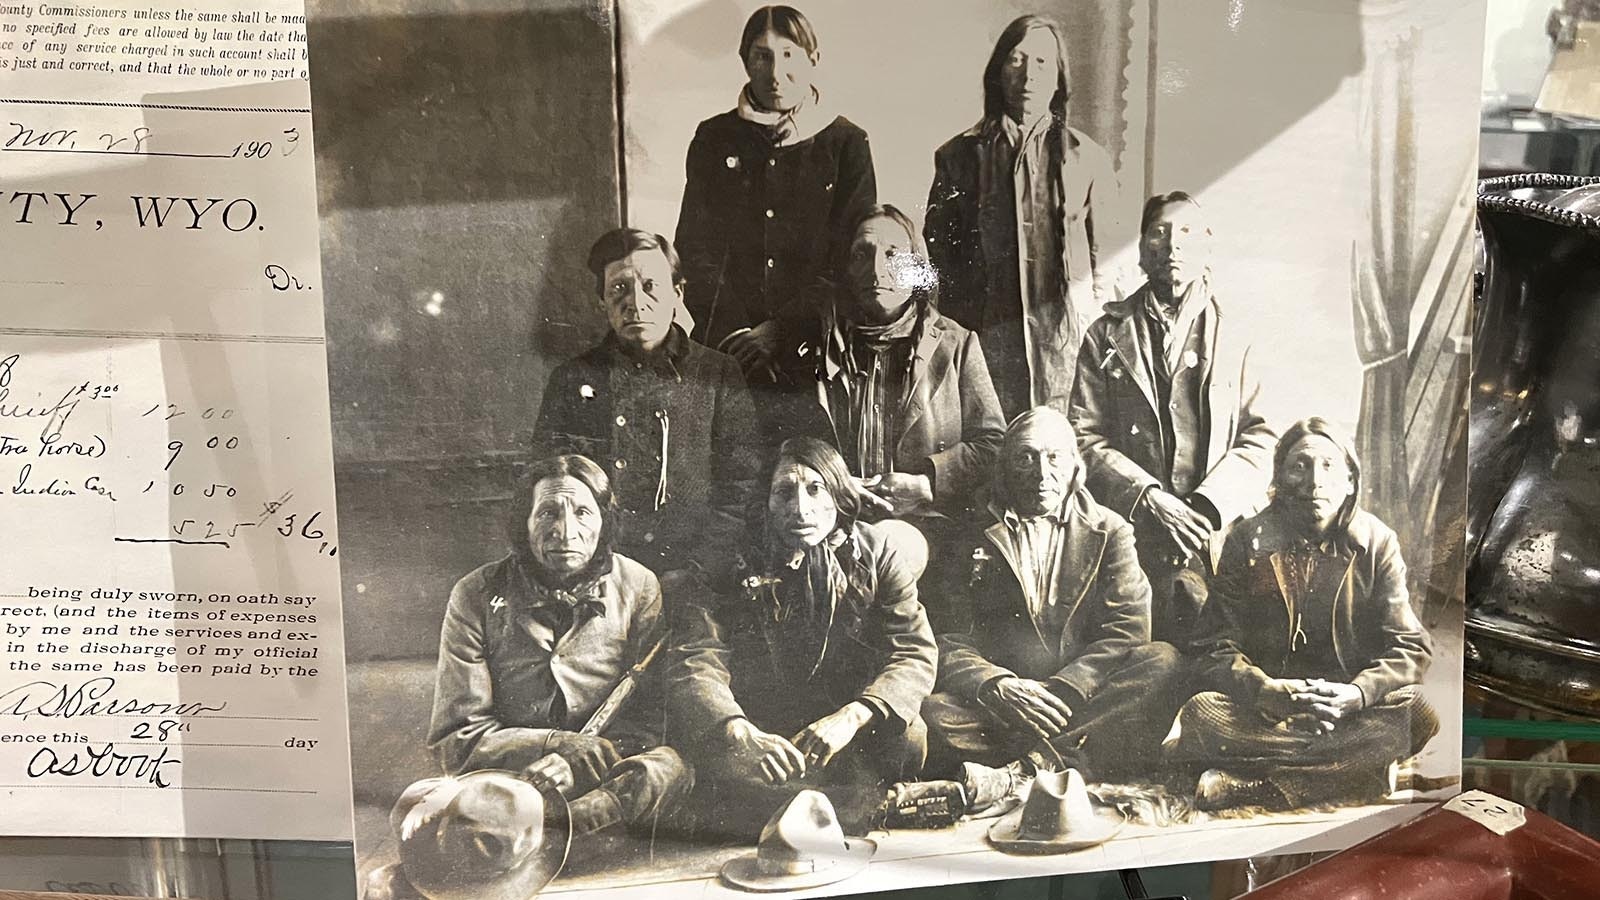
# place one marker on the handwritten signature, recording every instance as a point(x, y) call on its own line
point(102, 761)
point(91, 698)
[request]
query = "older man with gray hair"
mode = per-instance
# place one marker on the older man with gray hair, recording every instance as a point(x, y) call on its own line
point(1055, 665)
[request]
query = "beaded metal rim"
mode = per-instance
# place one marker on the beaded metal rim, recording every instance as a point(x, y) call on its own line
point(1491, 200)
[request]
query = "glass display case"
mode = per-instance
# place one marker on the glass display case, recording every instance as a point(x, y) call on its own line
point(1543, 759)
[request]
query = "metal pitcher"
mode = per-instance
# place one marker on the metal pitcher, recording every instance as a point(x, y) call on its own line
point(1533, 519)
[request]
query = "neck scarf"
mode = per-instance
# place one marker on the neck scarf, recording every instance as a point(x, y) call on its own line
point(1015, 133)
point(786, 128)
point(879, 336)
point(1176, 321)
point(560, 604)
point(808, 581)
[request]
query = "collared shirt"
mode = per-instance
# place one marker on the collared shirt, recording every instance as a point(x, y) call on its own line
point(1172, 327)
point(1037, 542)
point(1172, 350)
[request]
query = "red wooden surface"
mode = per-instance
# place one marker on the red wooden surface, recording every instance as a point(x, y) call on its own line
point(1442, 855)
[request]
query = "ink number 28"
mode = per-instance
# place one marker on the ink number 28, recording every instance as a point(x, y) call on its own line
point(162, 730)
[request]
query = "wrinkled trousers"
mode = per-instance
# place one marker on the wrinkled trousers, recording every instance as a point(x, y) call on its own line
point(733, 801)
point(646, 785)
point(1116, 735)
point(1350, 764)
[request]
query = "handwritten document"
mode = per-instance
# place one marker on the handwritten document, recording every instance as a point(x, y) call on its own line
point(169, 583)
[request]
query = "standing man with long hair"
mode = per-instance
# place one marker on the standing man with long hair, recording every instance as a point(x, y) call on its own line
point(1022, 221)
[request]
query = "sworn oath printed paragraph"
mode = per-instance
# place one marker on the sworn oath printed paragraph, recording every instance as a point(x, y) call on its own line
point(172, 630)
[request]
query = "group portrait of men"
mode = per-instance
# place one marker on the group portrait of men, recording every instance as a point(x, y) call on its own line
point(880, 504)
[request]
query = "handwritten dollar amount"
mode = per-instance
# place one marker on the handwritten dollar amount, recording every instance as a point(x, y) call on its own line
point(211, 524)
point(307, 530)
point(290, 526)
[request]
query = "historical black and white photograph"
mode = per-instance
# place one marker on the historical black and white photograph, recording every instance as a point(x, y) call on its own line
point(862, 444)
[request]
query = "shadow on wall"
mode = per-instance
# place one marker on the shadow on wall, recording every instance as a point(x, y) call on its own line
point(465, 160)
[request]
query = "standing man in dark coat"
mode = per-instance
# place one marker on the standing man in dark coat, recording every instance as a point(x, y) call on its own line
point(1023, 221)
point(1055, 662)
point(1167, 412)
point(669, 419)
point(1309, 648)
point(772, 186)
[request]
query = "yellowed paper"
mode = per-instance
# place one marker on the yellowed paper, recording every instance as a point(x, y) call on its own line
point(173, 652)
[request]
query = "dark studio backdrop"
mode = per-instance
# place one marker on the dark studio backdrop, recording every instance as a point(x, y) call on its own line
point(459, 194)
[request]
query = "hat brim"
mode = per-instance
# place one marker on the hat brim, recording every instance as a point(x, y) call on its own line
point(743, 873)
point(1004, 834)
point(433, 879)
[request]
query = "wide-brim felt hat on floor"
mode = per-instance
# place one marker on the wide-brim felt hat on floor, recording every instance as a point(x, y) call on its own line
point(487, 835)
point(1057, 817)
point(801, 847)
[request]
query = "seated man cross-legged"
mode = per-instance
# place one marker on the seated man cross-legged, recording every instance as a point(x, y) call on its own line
point(806, 665)
point(533, 644)
point(1309, 645)
point(1056, 665)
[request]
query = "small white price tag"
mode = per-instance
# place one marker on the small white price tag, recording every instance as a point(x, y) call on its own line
point(1497, 815)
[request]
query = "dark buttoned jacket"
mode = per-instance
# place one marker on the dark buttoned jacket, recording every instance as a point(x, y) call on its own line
point(1246, 634)
point(727, 659)
point(675, 434)
point(1106, 593)
point(1120, 430)
point(762, 225)
point(948, 423)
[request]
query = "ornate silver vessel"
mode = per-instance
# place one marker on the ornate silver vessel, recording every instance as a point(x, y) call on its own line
point(1533, 523)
